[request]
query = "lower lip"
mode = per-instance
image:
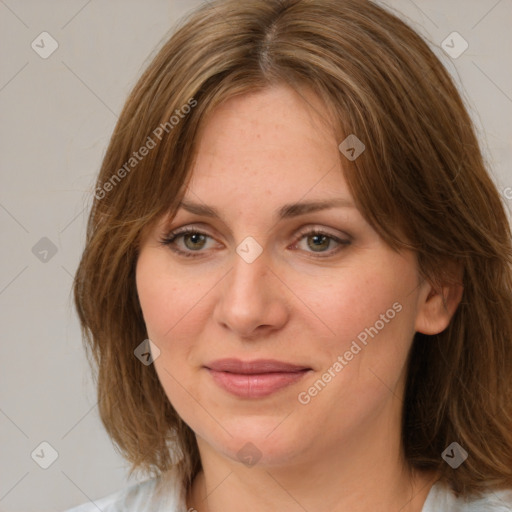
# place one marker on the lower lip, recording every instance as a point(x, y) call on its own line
point(255, 385)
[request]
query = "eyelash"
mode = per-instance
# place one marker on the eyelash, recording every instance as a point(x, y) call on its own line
point(173, 235)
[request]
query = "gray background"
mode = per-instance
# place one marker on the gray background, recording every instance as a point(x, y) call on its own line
point(57, 116)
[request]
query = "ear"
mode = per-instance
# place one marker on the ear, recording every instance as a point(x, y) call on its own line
point(437, 304)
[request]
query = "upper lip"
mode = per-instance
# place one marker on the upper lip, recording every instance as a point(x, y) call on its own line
point(254, 367)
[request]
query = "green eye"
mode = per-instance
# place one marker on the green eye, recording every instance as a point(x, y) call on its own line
point(194, 241)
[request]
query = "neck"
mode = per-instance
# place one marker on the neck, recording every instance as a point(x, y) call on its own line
point(334, 482)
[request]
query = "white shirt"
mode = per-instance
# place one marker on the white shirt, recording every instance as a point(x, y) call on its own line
point(139, 498)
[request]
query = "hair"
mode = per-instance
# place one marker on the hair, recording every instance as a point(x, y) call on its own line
point(421, 183)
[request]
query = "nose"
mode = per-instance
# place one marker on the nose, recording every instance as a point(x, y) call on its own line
point(252, 299)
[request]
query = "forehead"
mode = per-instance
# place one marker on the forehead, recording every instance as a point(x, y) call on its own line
point(268, 144)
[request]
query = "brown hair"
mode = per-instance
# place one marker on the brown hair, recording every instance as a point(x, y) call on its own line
point(422, 174)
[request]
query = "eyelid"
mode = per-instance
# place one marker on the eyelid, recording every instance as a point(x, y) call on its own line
point(328, 231)
point(203, 228)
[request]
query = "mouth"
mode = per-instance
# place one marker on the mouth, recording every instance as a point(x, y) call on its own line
point(255, 379)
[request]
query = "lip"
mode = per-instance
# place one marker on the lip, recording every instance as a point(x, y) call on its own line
point(254, 379)
point(233, 365)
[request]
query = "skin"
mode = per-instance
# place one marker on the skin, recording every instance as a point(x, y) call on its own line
point(341, 451)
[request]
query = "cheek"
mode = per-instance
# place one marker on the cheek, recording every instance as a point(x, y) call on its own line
point(150, 290)
point(168, 301)
point(360, 299)
point(370, 314)
point(165, 302)
point(362, 363)
point(175, 313)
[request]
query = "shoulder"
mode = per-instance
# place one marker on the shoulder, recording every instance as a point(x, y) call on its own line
point(133, 496)
point(159, 494)
point(442, 499)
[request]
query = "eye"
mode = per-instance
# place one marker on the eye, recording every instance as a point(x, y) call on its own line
point(318, 240)
point(194, 241)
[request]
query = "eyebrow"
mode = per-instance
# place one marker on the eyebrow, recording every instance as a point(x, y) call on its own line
point(287, 211)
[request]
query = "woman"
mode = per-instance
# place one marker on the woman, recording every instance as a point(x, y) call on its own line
point(297, 281)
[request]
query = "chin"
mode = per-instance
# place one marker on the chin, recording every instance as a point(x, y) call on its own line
point(264, 442)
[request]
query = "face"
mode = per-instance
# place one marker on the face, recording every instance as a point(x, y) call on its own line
point(316, 289)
